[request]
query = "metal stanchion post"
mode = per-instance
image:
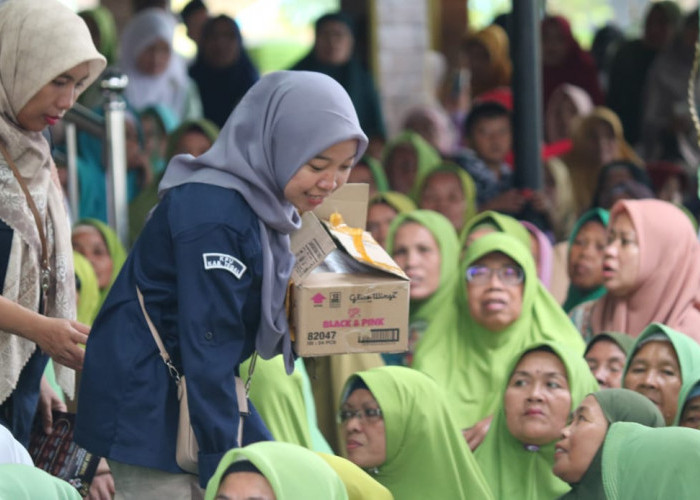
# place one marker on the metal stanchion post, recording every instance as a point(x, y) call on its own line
point(72, 164)
point(113, 84)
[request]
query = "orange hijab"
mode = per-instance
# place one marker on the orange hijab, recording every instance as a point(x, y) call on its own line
point(495, 41)
point(668, 283)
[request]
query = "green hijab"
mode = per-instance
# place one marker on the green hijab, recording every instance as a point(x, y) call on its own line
point(377, 172)
point(467, 359)
point(640, 462)
point(466, 181)
point(280, 400)
point(618, 405)
point(114, 247)
point(501, 222)
point(428, 157)
point(513, 471)
point(422, 312)
point(426, 455)
point(399, 202)
point(360, 485)
point(446, 239)
point(687, 350)
point(141, 205)
point(107, 28)
point(293, 471)
point(89, 294)
point(24, 482)
point(623, 341)
point(576, 296)
point(689, 390)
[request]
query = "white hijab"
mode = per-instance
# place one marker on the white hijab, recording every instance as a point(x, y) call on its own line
point(282, 122)
point(170, 87)
point(39, 40)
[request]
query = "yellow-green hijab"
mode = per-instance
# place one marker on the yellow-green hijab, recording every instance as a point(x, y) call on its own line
point(466, 181)
point(294, 472)
point(643, 463)
point(89, 293)
point(501, 222)
point(114, 247)
point(426, 455)
point(360, 485)
point(513, 471)
point(427, 157)
point(468, 360)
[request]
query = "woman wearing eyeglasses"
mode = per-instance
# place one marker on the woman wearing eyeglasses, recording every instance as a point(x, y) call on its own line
point(501, 307)
point(396, 424)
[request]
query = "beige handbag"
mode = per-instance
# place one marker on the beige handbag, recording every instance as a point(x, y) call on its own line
point(187, 448)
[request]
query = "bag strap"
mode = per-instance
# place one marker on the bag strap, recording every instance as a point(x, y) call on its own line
point(45, 267)
point(163, 353)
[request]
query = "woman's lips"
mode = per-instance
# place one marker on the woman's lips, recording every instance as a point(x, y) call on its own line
point(532, 412)
point(494, 305)
point(351, 445)
point(51, 120)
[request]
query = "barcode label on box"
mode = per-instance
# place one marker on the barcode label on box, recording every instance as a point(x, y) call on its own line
point(380, 335)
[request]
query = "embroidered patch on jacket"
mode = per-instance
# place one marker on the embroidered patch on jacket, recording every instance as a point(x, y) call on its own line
point(224, 261)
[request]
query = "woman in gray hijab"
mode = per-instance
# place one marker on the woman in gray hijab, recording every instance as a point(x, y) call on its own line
point(213, 265)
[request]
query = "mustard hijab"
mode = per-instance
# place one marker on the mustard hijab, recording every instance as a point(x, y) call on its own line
point(468, 360)
point(514, 470)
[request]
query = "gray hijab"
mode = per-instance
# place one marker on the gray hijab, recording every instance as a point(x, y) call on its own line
point(283, 121)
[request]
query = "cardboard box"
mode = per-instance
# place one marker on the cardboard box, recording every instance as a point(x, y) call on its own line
point(349, 296)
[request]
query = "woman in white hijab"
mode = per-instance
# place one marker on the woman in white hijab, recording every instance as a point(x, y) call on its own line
point(213, 264)
point(46, 59)
point(157, 75)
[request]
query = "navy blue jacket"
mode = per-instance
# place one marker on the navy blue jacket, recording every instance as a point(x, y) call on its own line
point(199, 266)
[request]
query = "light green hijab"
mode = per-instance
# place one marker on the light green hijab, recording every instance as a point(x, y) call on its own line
point(399, 202)
point(107, 28)
point(640, 462)
point(428, 157)
point(622, 340)
point(89, 295)
point(360, 485)
point(293, 471)
point(513, 471)
point(576, 296)
point(466, 181)
point(114, 247)
point(377, 171)
point(687, 350)
point(24, 482)
point(280, 400)
point(689, 390)
point(426, 455)
point(446, 239)
point(500, 222)
point(618, 405)
point(468, 360)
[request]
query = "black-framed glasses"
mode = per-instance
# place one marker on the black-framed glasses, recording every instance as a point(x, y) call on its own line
point(364, 414)
point(508, 275)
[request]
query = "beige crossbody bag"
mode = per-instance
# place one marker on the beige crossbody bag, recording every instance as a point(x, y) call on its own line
point(187, 448)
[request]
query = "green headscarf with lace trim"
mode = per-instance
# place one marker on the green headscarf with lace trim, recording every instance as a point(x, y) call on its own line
point(427, 157)
point(426, 455)
point(293, 471)
point(514, 470)
point(467, 359)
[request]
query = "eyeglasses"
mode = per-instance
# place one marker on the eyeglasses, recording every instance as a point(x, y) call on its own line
point(508, 275)
point(365, 414)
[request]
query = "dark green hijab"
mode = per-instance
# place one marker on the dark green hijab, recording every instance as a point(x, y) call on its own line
point(618, 405)
point(575, 295)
